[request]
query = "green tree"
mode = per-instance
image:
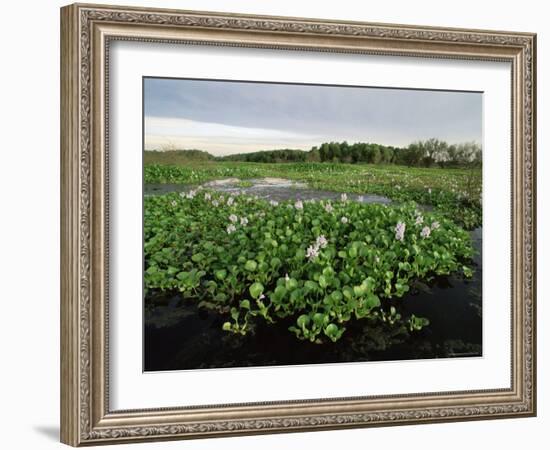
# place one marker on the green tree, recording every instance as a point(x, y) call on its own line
point(434, 151)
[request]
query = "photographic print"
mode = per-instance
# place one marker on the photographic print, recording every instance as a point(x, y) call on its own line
point(307, 205)
point(302, 224)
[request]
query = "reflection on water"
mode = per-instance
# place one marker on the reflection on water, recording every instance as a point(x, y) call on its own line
point(178, 335)
point(278, 189)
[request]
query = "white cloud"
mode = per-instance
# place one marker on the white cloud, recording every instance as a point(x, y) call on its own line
point(163, 133)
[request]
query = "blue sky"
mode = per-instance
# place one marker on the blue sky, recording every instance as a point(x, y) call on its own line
point(224, 117)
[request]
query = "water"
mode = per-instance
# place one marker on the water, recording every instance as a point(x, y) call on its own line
point(179, 336)
point(267, 188)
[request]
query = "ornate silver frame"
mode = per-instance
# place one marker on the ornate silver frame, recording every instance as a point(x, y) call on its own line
point(86, 31)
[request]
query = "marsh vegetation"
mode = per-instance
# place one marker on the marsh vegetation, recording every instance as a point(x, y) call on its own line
point(330, 252)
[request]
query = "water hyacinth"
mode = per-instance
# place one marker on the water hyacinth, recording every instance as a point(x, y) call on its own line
point(344, 220)
point(425, 233)
point(299, 205)
point(312, 252)
point(440, 190)
point(400, 231)
point(215, 203)
point(329, 208)
point(230, 201)
point(321, 241)
point(274, 203)
point(419, 219)
point(207, 196)
point(293, 251)
point(344, 197)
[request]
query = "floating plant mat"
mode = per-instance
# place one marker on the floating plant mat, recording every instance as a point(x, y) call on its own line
point(180, 335)
point(454, 192)
point(314, 269)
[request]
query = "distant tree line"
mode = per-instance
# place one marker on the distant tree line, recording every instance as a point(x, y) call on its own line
point(434, 152)
point(174, 156)
point(270, 156)
point(429, 153)
point(359, 152)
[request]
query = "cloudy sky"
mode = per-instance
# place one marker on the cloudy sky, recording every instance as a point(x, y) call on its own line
point(236, 117)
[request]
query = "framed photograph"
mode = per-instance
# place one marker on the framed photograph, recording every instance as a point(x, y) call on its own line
point(276, 224)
